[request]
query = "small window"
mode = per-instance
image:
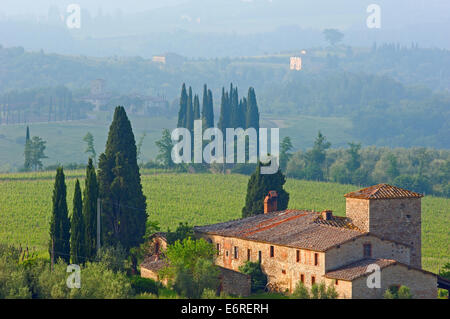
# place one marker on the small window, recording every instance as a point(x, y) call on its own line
point(316, 259)
point(313, 280)
point(283, 271)
point(236, 252)
point(302, 278)
point(259, 256)
point(218, 249)
point(226, 253)
point(298, 256)
point(336, 282)
point(271, 251)
point(408, 216)
point(367, 250)
point(249, 254)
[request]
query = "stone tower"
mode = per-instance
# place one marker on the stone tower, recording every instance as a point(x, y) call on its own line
point(388, 212)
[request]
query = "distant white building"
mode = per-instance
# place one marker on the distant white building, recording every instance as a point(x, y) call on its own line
point(296, 63)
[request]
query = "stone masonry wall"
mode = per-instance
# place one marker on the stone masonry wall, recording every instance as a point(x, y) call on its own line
point(353, 251)
point(400, 220)
point(395, 219)
point(282, 269)
point(422, 285)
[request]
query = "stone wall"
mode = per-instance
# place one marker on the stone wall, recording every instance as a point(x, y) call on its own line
point(352, 251)
point(421, 284)
point(282, 269)
point(395, 219)
point(235, 283)
point(400, 220)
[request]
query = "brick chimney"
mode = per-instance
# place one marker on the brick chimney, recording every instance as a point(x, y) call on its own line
point(270, 202)
point(327, 214)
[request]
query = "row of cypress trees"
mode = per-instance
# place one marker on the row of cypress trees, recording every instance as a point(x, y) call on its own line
point(190, 109)
point(234, 112)
point(74, 239)
point(118, 184)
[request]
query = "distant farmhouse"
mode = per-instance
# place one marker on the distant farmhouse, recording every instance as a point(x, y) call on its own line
point(381, 230)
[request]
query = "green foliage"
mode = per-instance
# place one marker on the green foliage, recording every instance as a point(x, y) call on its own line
point(259, 186)
point(77, 231)
point(90, 148)
point(28, 151)
point(13, 278)
point(258, 278)
point(191, 267)
point(317, 291)
point(445, 271)
point(59, 245)
point(123, 203)
point(90, 211)
point(113, 258)
point(35, 151)
point(207, 108)
point(183, 231)
point(165, 145)
point(300, 291)
point(285, 155)
point(395, 292)
point(144, 285)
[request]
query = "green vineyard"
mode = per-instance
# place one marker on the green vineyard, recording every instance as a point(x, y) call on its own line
point(25, 206)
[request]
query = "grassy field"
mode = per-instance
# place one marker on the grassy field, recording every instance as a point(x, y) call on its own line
point(65, 139)
point(25, 205)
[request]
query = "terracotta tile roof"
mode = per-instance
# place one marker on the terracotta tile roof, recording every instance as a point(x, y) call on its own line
point(153, 263)
point(293, 228)
point(383, 191)
point(357, 269)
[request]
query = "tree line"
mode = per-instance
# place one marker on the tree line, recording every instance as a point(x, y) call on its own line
point(419, 169)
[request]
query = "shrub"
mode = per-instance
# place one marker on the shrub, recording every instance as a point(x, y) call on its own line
point(317, 291)
point(144, 285)
point(258, 278)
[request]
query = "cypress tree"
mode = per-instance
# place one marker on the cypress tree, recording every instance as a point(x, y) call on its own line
point(183, 107)
point(123, 202)
point(28, 151)
point(224, 119)
point(259, 186)
point(60, 224)
point(252, 115)
point(77, 230)
point(207, 108)
point(90, 210)
point(190, 112)
point(196, 108)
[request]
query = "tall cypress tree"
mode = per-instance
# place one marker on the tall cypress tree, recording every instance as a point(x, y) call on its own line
point(60, 224)
point(252, 115)
point(90, 210)
point(183, 107)
point(259, 186)
point(224, 119)
point(196, 108)
point(28, 151)
point(207, 108)
point(190, 112)
point(77, 230)
point(123, 202)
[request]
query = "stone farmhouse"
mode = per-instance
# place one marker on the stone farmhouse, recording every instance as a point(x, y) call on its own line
point(381, 230)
